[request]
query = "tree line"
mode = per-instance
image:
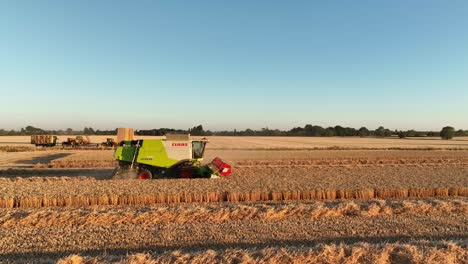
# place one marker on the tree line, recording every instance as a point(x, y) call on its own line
point(30, 130)
point(306, 131)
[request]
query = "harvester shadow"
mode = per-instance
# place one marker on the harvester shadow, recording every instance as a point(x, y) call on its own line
point(348, 240)
point(43, 159)
point(98, 174)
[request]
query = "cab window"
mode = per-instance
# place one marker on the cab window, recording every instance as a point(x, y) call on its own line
point(198, 148)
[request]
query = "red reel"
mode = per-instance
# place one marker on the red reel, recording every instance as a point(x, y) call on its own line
point(222, 167)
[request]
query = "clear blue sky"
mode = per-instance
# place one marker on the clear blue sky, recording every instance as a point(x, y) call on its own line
point(234, 64)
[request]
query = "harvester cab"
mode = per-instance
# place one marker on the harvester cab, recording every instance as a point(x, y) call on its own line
point(177, 156)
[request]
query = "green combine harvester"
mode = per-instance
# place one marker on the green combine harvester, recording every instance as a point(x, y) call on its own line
point(177, 156)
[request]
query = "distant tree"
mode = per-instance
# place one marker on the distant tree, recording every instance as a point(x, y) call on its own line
point(402, 134)
point(460, 133)
point(266, 132)
point(410, 133)
point(364, 132)
point(69, 131)
point(330, 132)
point(350, 132)
point(340, 131)
point(318, 131)
point(420, 134)
point(380, 132)
point(30, 130)
point(249, 132)
point(314, 131)
point(447, 132)
point(89, 131)
point(297, 132)
point(197, 131)
point(387, 133)
point(308, 130)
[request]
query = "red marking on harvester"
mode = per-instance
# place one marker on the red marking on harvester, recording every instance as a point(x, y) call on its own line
point(224, 169)
point(179, 144)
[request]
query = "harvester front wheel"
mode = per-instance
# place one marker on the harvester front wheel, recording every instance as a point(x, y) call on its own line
point(145, 174)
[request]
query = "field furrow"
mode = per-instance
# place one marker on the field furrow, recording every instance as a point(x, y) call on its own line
point(217, 213)
point(69, 163)
point(416, 252)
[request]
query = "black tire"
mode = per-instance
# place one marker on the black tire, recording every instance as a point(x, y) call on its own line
point(145, 174)
point(124, 173)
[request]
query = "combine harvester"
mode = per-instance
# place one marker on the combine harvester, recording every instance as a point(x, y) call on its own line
point(177, 156)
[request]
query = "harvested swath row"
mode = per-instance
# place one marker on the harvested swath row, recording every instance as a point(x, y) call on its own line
point(431, 253)
point(37, 201)
point(67, 163)
point(95, 159)
point(356, 161)
point(348, 178)
point(240, 155)
point(17, 148)
point(461, 148)
point(215, 213)
point(65, 174)
point(46, 179)
point(78, 164)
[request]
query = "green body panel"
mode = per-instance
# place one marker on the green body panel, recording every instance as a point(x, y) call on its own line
point(204, 171)
point(152, 152)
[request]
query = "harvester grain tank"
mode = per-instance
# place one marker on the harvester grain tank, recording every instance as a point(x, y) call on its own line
point(177, 156)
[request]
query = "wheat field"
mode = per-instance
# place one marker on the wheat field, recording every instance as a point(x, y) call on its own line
point(268, 143)
point(289, 200)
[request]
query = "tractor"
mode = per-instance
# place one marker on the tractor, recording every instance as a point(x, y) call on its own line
point(78, 141)
point(177, 156)
point(109, 143)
